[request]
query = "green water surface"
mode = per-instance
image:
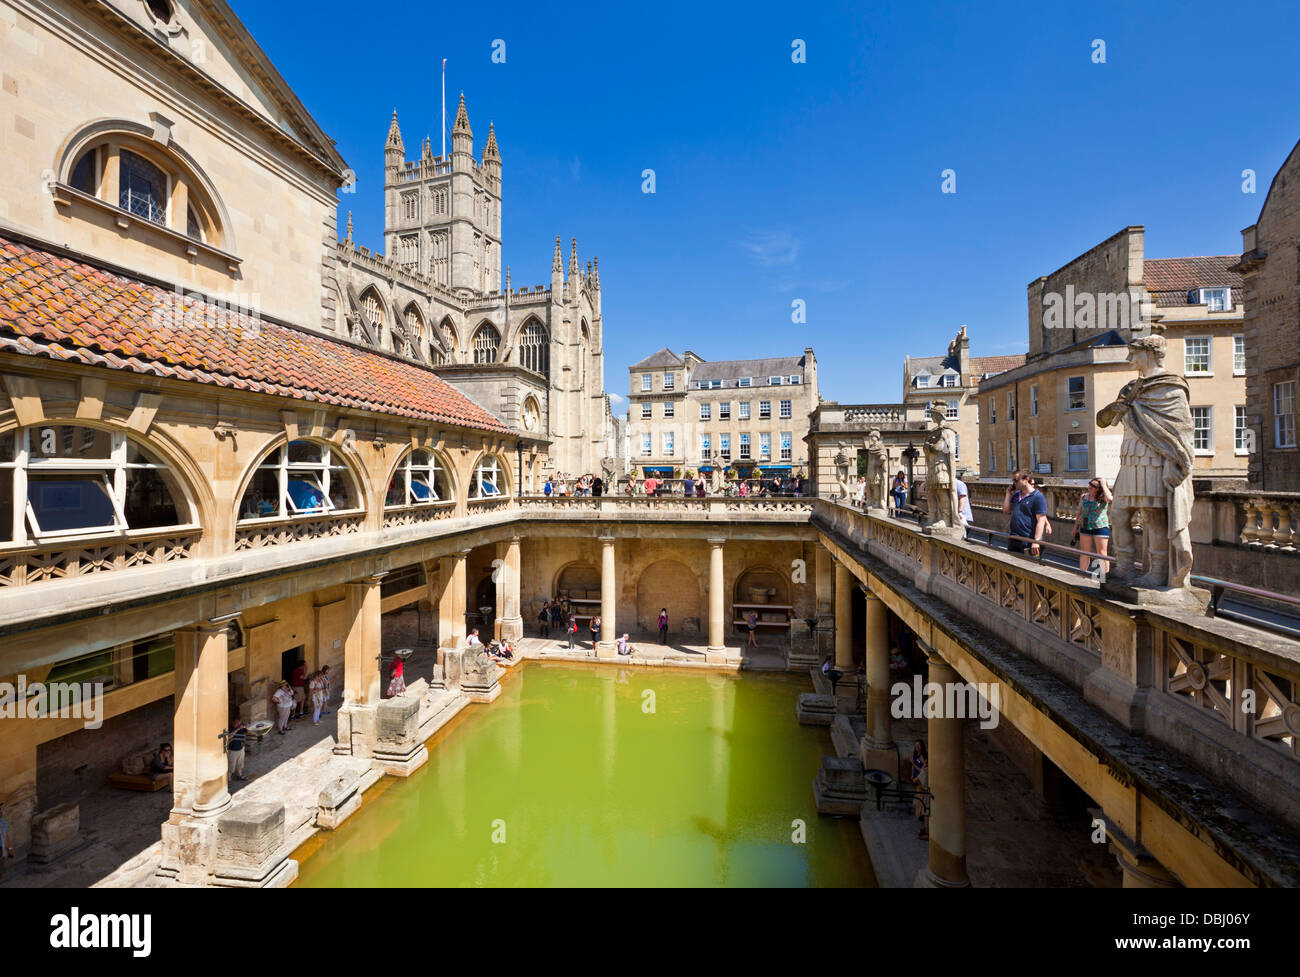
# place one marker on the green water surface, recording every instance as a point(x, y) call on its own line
point(607, 776)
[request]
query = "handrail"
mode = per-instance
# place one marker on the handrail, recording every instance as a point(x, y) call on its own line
point(1043, 547)
point(1217, 587)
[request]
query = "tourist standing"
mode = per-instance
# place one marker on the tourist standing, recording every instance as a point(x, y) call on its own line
point(898, 492)
point(548, 488)
point(594, 627)
point(832, 673)
point(283, 699)
point(964, 511)
point(752, 624)
point(663, 626)
point(1092, 522)
point(860, 496)
point(316, 688)
point(689, 485)
point(299, 685)
point(598, 487)
point(544, 619)
point(1028, 511)
point(235, 737)
point(397, 684)
point(921, 780)
point(699, 489)
point(572, 629)
point(325, 688)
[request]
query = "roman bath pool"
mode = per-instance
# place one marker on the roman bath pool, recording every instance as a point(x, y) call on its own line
point(606, 776)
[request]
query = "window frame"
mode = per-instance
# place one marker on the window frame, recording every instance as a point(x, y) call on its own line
point(1207, 430)
point(1070, 454)
point(1278, 415)
point(1209, 356)
point(1238, 340)
point(317, 474)
point(1082, 393)
point(1240, 429)
point(410, 473)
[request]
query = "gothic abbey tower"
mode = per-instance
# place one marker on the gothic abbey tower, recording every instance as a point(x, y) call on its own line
point(444, 216)
point(534, 356)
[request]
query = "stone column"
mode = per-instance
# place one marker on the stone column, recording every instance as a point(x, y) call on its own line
point(877, 749)
point(843, 618)
point(200, 716)
point(825, 602)
point(363, 643)
point(947, 868)
point(512, 622)
point(717, 648)
point(451, 603)
point(607, 647)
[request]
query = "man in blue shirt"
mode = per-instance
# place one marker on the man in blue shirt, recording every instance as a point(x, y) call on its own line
point(1028, 511)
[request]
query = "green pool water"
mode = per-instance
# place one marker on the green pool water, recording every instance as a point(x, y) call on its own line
point(606, 776)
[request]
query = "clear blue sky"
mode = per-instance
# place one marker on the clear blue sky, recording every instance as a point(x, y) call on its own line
point(818, 181)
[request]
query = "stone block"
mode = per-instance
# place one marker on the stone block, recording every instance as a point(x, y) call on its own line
point(338, 800)
point(188, 849)
point(249, 840)
point(396, 722)
point(447, 669)
point(55, 832)
point(814, 709)
point(840, 787)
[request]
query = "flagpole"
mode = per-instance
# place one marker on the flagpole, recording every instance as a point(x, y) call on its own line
point(444, 107)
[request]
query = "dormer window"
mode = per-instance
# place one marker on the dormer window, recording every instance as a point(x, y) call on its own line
point(1215, 299)
point(948, 380)
point(923, 380)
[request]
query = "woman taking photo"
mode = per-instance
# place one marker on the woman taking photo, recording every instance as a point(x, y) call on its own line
point(1092, 523)
point(898, 491)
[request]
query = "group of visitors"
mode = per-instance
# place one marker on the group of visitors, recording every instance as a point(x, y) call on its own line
point(291, 697)
point(697, 487)
point(1027, 507)
point(561, 484)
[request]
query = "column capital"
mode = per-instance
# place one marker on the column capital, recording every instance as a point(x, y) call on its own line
point(931, 655)
point(607, 540)
point(717, 540)
point(867, 592)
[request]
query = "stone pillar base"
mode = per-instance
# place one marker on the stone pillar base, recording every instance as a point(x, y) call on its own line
point(356, 730)
point(250, 849)
point(512, 628)
point(925, 879)
point(338, 801)
point(606, 649)
point(55, 832)
point(813, 709)
point(716, 656)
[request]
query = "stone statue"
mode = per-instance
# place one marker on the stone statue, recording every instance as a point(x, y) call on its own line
point(1155, 471)
point(943, 510)
point(877, 471)
point(842, 475)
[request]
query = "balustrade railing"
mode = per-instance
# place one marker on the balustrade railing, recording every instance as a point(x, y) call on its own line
point(78, 558)
point(256, 534)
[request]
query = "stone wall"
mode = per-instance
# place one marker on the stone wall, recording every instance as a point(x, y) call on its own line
point(70, 767)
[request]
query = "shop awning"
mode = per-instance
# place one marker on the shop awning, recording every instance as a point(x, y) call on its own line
point(661, 470)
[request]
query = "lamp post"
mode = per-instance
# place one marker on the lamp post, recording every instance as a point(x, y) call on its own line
point(910, 454)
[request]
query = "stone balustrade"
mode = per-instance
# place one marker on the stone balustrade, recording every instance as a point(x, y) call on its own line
point(79, 558)
point(1223, 695)
point(1267, 521)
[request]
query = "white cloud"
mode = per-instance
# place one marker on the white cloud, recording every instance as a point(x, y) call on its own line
point(772, 248)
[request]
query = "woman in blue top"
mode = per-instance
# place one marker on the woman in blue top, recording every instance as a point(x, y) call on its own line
point(1092, 523)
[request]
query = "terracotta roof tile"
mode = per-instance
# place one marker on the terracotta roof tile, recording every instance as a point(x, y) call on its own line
point(83, 312)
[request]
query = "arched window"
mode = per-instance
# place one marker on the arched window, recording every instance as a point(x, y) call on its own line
point(300, 478)
point(142, 188)
point(415, 330)
point(64, 480)
point(486, 342)
point(449, 340)
point(488, 482)
point(535, 348)
point(373, 310)
point(149, 178)
point(419, 480)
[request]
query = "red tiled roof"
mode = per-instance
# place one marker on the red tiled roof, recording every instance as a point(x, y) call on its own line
point(60, 308)
point(1184, 274)
point(979, 365)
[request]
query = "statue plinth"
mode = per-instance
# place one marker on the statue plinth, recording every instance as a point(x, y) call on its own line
point(1132, 592)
